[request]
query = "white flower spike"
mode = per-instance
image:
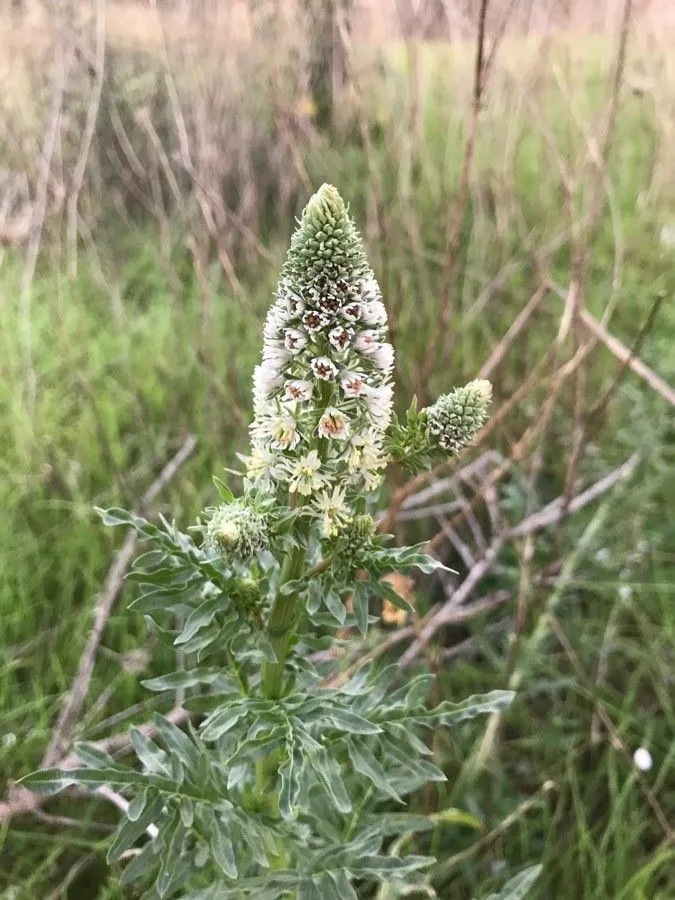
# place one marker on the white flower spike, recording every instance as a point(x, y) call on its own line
point(323, 395)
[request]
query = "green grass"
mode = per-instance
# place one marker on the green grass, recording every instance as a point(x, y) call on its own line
point(121, 380)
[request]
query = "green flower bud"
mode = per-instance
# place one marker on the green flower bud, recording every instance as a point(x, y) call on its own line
point(236, 531)
point(355, 538)
point(326, 244)
point(247, 593)
point(455, 418)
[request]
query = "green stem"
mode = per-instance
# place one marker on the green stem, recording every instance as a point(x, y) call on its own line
point(281, 625)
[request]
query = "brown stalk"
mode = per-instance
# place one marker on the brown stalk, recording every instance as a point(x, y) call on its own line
point(456, 220)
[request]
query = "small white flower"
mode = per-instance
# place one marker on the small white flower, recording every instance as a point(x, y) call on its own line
point(378, 400)
point(351, 311)
point(370, 289)
point(335, 512)
point(643, 759)
point(295, 340)
point(288, 300)
point(329, 304)
point(374, 313)
point(314, 321)
point(324, 368)
point(625, 592)
point(273, 330)
point(353, 383)
point(297, 389)
point(365, 454)
point(383, 357)
point(284, 434)
point(366, 341)
point(334, 424)
point(341, 337)
point(276, 357)
point(371, 480)
point(265, 380)
point(305, 476)
point(260, 463)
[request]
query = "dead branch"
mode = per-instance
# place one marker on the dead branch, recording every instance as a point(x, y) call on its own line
point(550, 515)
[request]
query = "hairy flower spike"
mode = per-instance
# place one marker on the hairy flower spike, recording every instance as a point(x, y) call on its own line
point(236, 531)
point(455, 418)
point(323, 392)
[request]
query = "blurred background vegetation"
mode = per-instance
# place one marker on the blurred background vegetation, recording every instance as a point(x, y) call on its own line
point(511, 166)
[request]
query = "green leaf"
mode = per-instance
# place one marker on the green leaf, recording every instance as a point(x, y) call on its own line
point(384, 589)
point(221, 846)
point(289, 772)
point(174, 837)
point(308, 890)
point(328, 771)
point(221, 721)
point(47, 781)
point(131, 830)
point(477, 705)
point(199, 618)
point(179, 680)
point(154, 759)
point(342, 886)
point(518, 886)
point(92, 756)
point(263, 745)
point(385, 824)
point(425, 770)
point(137, 805)
point(350, 722)
point(157, 599)
point(177, 741)
point(187, 812)
point(223, 490)
point(314, 597)
point(360, 606)
point(366, 764)
point(140, 865)
point(383, 866)
point(335, 606)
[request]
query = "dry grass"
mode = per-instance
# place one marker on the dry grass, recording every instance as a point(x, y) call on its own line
point(512, 194)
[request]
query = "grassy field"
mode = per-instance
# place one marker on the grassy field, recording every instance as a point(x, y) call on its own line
point(150, 342)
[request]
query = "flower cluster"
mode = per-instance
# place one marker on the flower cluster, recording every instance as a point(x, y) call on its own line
point(323, 392)
point(236, 531)
point(355, 539)
point(455, 418)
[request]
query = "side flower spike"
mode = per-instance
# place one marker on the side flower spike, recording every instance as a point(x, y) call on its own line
point(455, 418)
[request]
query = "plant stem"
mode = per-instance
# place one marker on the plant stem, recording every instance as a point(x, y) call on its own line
point(280, 626)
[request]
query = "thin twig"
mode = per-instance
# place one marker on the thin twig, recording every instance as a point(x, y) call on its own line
point(442, 870)
point(89, 128)
point(549, 515)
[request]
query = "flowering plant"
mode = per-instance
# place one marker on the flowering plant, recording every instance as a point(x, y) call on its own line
point(281, 786)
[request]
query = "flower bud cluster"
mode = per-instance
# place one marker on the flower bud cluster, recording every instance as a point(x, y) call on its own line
point(455, 418)
point(323, 392)
point(236, 531)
